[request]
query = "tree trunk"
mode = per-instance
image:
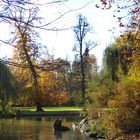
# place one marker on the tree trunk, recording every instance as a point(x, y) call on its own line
point(82, 75)
point(36, 94)
point(83, 83)
point(37, 98)
point(39, 107)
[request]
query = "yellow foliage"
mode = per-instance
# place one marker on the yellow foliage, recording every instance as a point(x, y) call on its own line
point(48, 82)
point(29, 85)
point(138, 35)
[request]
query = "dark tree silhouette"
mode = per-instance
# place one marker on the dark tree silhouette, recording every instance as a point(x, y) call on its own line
point(81, 30)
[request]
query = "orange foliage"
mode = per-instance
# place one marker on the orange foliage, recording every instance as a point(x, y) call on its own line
point(50, 89)
point(57, 98)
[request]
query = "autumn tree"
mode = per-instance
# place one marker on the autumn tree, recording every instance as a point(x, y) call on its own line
point(118, 83)
point(22, 16)
point(51, 87)
point(28, 50)
point(126, 13)
point(25, 45)
point(119, 87)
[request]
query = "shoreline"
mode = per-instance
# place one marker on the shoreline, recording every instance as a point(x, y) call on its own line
point(40, 114)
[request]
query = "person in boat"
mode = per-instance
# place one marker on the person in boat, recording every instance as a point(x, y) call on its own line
point(59, 127)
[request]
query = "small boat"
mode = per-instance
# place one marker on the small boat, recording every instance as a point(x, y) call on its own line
point(59, 127)
point(62, 128)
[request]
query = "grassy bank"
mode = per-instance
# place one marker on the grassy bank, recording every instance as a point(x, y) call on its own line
point(31, 111)
point(50, 109)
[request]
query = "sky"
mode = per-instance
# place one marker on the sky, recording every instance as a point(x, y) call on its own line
point(61, 43)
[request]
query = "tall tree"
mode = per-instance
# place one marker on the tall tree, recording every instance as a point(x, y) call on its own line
point(28, 52)
point(22, 16)
point(81, 30)
point(24, 42)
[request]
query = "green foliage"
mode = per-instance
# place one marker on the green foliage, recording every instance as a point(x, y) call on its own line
point(103, 90)
point(120, 54)
point(112, 62)
point(76, 99)
point(96, 127)
point(7, 87)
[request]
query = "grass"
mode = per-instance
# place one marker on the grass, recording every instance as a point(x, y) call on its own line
point(31, 111)
point(51, 109)
point(63, 109)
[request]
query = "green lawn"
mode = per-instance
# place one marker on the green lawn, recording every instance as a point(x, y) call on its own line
point(51, 109)
point(31, 111)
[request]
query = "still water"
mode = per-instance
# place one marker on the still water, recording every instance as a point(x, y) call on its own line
point(38, 128)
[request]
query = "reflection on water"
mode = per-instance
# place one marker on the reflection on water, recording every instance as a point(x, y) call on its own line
point(38, 128)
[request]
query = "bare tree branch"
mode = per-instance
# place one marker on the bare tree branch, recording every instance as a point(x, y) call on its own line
point(45, 66)
point(12, 18)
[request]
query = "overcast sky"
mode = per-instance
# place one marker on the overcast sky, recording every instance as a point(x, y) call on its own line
point(61, 43)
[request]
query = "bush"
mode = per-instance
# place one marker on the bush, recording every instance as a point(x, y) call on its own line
point(124, 109)
point(109, 124)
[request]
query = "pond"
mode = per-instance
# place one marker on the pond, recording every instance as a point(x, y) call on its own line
point(38, 128)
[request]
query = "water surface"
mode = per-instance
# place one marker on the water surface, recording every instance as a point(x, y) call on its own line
point(38, 128)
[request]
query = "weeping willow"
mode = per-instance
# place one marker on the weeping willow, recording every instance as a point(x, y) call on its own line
point(7, 87)
point(116, 57)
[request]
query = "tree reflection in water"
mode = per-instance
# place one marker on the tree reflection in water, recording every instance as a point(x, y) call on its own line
point(58, 135)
